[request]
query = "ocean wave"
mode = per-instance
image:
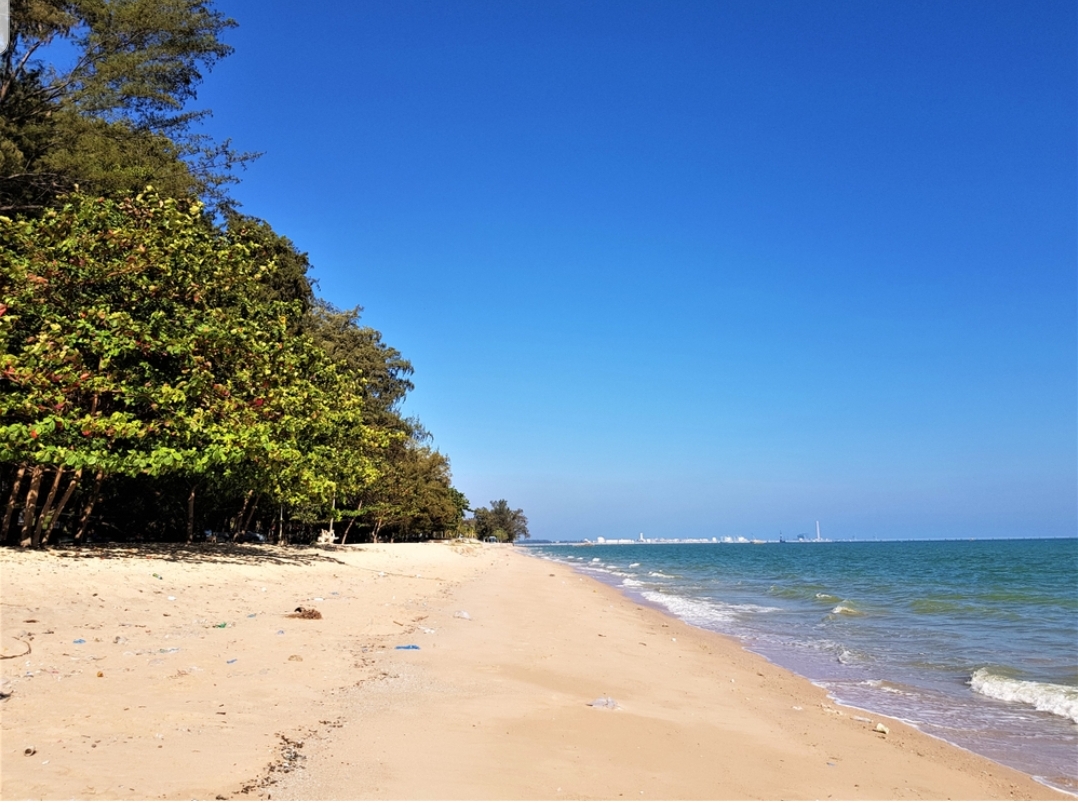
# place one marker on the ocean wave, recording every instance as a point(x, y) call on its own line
point(631, 582)
point(889, 686)
point(695, 612)
point(750, 608)
point(1057, 699)
point(660, 574)
point(844, 608)
point(847, 656)
point(820, 595)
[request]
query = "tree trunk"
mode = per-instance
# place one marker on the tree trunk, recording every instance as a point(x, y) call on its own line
point(251, 513)
point(191, 514)
point(89, 507)
point(29, 510)
point(46, 508)
point(74, 483)
point(16, 486)
point(237, 525)
point(359, 509)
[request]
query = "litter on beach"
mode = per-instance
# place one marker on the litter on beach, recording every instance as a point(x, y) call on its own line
point(604, 703)
point(407, 647)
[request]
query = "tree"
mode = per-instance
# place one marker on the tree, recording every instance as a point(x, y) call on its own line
point(500, 522)
point(134, 340)
point(115, 118)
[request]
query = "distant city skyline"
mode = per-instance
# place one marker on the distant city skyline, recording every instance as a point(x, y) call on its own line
point(696, 268)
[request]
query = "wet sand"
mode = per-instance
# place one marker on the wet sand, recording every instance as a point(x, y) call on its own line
point(192, 680)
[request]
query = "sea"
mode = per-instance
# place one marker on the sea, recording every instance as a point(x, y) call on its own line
point(972, 641)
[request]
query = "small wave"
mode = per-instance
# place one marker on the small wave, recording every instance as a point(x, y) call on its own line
point(660, 574)
point(596, 560)
point(630, 582)
point(848, 656)
point(694, 612)
point(633, 565)
point(749, 608)
point(888, 686)
point(1057, 699)
point(843, 609)
point(827, 597)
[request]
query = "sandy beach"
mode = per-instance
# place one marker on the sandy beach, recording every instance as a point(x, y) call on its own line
point(170, 673)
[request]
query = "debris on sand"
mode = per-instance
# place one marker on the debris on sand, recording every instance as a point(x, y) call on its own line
point(305, 613)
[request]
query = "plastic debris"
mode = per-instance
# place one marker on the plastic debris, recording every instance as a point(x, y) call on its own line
point(172, 598)
point(221, 625)
point(29, 751)
point(462, 615)
point(604, 703)
point(232, 661)
point(251, 616)
point(881, 729)
point(280, 633)
point(407, 647)
point(159, 577)
point(79, 641)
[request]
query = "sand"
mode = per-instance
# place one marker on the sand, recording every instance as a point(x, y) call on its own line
point(167, 673)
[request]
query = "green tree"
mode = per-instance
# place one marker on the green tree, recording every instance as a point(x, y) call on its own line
point(113, 118)
point(500, 522)
point(134, 340)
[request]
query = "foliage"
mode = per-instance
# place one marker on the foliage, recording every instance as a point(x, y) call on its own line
point(500, 522)
point(165, 359)
point(136, 340)
point(114, 117)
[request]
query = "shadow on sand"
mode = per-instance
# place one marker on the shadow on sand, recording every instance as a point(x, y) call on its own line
point(250, 554)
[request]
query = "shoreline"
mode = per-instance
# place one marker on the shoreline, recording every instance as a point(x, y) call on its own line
point(493, 704)
point(613, 581)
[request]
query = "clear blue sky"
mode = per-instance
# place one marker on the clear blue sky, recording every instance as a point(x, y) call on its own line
point(696, 268)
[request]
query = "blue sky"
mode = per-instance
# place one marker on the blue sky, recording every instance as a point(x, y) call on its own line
point(696, 269)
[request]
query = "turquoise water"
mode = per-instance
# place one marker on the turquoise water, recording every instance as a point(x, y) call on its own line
point(975, 642)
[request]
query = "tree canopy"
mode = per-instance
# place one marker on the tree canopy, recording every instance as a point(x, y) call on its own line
point(500, 522)
point(166, 369)
point(114, 117)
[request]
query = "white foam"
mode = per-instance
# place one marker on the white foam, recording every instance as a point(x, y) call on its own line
point(630, 582)
point(660, 574)
point(695, 612)
point(1057, 699)
point(748, 607)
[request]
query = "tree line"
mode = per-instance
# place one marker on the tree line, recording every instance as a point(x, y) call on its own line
point(166, 369)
